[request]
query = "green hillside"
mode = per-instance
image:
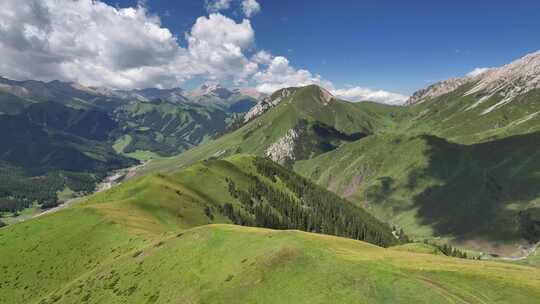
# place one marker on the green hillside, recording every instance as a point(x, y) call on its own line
point(463, 119)
point(322, 126)
point(225, 264)
point(49, 252)
point(168, 128)
point(120, 245)
point(48, 147)
point(432, 187)
point(433, 168)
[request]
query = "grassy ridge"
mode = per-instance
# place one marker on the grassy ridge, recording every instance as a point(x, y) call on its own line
point(48, 252)
point(226, 264)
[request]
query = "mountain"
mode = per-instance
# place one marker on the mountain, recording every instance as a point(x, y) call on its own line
point(67, 93)
point(304, 123)
point(461, 165)
point(509, 81)
point(494, 104)
point(442, 167)
point(175, 95)
point(167, 128)
point(236, 101)
point(73, 130)
point(49, 147)
point(148, 240)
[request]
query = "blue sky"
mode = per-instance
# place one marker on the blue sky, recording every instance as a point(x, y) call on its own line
point(393, 45)
point(359, 50)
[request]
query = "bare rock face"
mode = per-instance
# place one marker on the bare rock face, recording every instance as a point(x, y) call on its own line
point(267, 103)
point(511, 80)
point(282, 151)
point(326, 97)
point(436, 90)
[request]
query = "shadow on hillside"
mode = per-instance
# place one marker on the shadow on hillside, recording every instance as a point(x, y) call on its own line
point(476, 184)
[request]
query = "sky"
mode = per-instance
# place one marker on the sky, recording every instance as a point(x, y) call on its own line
point(379, 50)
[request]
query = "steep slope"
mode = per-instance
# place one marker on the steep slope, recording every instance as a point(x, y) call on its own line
point(73, 130)
point(128, 244)
point(494, 104)
point(48, 147)
point(300, 126)
point(475, 195)
point(168, 128)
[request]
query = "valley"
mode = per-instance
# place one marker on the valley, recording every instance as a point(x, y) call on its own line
point(230, 195)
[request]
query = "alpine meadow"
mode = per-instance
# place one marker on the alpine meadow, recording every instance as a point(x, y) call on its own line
point(244, 151)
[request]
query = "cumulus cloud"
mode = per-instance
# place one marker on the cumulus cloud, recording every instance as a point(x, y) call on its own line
point(217, 43)
point(74, 41)
point(366, 94)
point(95, 44)
point(218, 5)
point(477, 71)
point(250, 7)
point(279, 74)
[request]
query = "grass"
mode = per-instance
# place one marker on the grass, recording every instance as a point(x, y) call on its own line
point(148, 240)
point(143, 155)
point(23, 215)
point(226, 264)
point(121, 143)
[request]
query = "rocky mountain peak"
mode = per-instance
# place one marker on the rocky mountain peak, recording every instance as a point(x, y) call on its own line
point(268, 103)
point(511, 80)
point(436, 90)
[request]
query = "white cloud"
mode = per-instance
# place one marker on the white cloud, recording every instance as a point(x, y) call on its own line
point(262, 57)
point(365, 94)
point(279, 74)
point(217, 43)
point(95, 44)
point(218, 5)
point(87, 41)
point(250, 7)
point(99, 45)
point(477, 71)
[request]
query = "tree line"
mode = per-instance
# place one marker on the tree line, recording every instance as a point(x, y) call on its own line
point(296, 203)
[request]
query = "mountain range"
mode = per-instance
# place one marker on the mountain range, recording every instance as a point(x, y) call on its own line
point(79, 134)
point(441, 167)
point(293, 197)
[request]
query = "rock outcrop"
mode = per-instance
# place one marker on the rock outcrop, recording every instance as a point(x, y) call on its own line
point(282, 151)
point(267, 103)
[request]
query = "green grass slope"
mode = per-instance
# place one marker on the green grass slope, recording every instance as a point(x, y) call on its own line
point(432, 187)
point(465, 119)
point(233, 264)
point(168, 128)
point(51, 251)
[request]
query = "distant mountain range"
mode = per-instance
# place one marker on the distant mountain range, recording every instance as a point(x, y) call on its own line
point(67, 133)
point(459, 162)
